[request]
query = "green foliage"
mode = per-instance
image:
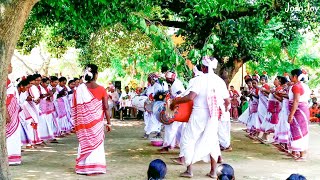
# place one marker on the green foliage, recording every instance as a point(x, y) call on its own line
point(260, 31)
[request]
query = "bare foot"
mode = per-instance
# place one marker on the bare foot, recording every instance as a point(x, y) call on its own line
point(213, 176)
point(163, 151)
point(186, 175)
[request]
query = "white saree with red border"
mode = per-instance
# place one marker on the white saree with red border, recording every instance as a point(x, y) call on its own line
point(88, 115)
point(13, 127)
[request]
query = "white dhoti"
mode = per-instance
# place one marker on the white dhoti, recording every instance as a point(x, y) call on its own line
point(200, 138)
point(170, 137)
point(224, 129)
point(152, 124)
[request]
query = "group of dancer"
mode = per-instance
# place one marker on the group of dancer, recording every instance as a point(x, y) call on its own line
point(38, 112)
point(281, 110)
point(208, 130)
point(41, 109)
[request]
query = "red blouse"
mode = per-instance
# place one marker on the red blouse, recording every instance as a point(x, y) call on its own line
point(98, 92)
point(297, 89)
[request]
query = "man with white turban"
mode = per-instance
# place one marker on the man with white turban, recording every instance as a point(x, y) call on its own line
point(151, 122)
point(200, 136)
point(171, 138)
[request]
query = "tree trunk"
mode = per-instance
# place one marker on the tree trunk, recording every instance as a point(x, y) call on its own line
point(13, 16)
point(228, 70)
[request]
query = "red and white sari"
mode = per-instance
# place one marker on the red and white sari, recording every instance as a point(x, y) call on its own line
point(299, 128)
point(13, 127)
point(46, 130)
point(31, 117)
point(87, 112)
point(263, 110)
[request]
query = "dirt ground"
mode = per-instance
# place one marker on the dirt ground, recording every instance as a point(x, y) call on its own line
point(128, 157)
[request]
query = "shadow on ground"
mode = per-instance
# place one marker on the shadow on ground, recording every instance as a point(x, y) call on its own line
point(128, 156)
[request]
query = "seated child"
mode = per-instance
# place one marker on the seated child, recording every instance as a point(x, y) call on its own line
point(313, 113)
point(157, 170)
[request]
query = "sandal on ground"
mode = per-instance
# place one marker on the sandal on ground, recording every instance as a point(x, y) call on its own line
point(186, 175)
point(211, 176)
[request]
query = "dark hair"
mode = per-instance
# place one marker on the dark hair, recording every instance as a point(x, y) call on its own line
point(71, 81)
point(243, 98)
point(44, 80)
point(23, 83)
point(30, 78)
point(296, 72)
point(53, 78)
point(36, 76)
point(164, 68)
point(231, 86)
point(282, 80)
point(264, 77)
point(199, 67)
point(226, 172)
point(248, 80)
point(76, 79)
point(157, 169)
point(296, 177)
point(61, 79)
point(93, 69)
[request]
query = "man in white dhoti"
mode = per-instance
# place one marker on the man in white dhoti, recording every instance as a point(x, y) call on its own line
point(200, 137)
point(196, 72)
point(171, 138)
point(151, 122)
point(113, 99)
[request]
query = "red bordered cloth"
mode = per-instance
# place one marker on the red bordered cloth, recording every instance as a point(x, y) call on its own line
point(87, 113)
point(13, 111)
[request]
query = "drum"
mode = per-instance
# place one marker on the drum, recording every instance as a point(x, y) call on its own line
point(149, 105)
point(181, 112)
point(158, 106)
point(138, 102)
point(274, 107)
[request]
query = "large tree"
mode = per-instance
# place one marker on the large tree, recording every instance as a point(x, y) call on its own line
point(13, 15)
point(232, 31)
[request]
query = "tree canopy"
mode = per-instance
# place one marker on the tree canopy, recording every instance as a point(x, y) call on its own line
point(234, 32)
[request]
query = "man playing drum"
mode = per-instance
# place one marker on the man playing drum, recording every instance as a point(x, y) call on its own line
point(200, 137)
point(171, 138)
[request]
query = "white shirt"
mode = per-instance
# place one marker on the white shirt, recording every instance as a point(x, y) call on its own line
point(114, 96)
point(176, 87)
point(200, 86)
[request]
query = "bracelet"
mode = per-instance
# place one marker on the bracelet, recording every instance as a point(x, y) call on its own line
point(106, 123)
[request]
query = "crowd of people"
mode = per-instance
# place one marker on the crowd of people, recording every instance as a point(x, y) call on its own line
point(41, 109)
point(281, 109)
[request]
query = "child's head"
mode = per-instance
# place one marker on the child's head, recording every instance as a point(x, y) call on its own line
point(225, 172)
point(234, 96)
point(254, 83)
point(315, 105)
point(243, 99)
point(263, 79)
point(296, 177)
point(157, 170)
point(249, 82)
